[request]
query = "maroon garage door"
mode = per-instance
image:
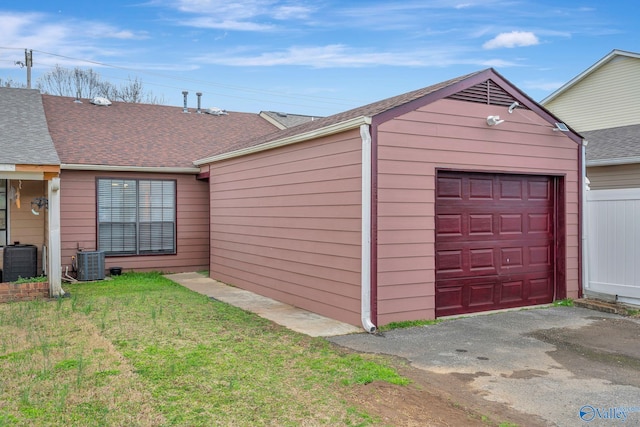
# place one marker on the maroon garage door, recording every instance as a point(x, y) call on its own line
point(494, 241)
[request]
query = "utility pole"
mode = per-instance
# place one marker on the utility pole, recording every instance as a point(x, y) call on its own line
point(28, 60)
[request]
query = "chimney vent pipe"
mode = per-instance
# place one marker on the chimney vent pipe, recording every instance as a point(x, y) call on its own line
point(184, 94)
point(199, 95)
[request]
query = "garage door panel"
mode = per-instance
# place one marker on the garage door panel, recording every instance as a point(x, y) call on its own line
point(512, 291)
point(540, 288)
point(511, 224)
point(540, 256)
point(481, 224)
point(539, 190)
point(481, 295)
point(510, 189)
point(494, 241)
point(539, 223)
point(450, 262)
point(481, 259)
point(449, 224)
point(450, 299)
point(449, 188)
point(512, 257)
point(480, 188)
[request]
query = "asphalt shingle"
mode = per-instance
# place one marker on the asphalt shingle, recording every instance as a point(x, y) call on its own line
point(144, 135)
point(613, 143)
point(24, 136)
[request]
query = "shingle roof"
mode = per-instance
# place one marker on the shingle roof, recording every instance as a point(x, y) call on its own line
point(287, 120)
point(369, 110)
point(613, 143)
point(24, 136)
point(143, 135)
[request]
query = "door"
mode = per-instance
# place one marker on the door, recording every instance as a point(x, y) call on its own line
point(494, 241)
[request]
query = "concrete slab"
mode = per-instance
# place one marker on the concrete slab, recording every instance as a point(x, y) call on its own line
point(294, 318)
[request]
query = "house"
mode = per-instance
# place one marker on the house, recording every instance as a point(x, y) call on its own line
point(128, 185)
point(29, 196)
point(602, 103)
point(456, 198)
point(286, 120)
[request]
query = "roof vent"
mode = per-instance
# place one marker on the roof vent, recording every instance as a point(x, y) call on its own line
point(184, 95)
point(215, 111)
point(101, 101)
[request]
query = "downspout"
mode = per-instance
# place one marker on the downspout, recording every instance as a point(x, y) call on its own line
point(584, 218)
point(365, 274)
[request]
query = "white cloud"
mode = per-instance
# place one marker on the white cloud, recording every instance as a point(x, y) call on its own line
point(240, 15)
point(226, 24)
point(342, 56)
point(512, 39)
point(335, 55)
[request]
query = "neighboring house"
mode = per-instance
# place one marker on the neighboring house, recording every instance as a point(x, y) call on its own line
point(603, 104)
point(418, 206)
point(128, 183)
point(286, 120)
point(29, 184)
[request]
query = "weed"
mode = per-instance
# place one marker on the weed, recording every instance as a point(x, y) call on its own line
point(37, 279)
point(409, 324)
point(115, 345)
point(566, 302)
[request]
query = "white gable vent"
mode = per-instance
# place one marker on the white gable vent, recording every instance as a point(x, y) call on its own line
point(215, 111)
point(99, 100)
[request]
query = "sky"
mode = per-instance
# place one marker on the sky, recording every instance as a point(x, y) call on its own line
point(315, 57)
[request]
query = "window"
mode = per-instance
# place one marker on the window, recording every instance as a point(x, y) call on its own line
point(136, 216)
point(3, 212)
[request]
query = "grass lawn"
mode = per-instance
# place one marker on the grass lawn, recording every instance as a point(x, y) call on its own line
point(142, 350)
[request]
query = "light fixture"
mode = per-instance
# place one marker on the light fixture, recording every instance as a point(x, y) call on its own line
point(513, 106)
point(561, 127)
point(494, 120)
point(38, 203)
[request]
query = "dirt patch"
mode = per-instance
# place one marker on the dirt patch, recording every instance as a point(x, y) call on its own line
point(434, 400)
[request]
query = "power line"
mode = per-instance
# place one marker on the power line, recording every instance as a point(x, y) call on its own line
point(312, 98)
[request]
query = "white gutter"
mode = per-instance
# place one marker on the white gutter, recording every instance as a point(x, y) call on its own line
point(108, 168)
point(294, 139)
point(585, 218)
point(365, 266)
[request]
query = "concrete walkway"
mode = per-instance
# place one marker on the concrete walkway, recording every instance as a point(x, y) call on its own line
point(294, 318)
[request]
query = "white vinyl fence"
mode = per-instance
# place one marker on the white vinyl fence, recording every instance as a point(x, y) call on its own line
point(613, 244)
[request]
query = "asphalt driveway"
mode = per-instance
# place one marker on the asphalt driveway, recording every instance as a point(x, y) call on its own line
point(564, 366)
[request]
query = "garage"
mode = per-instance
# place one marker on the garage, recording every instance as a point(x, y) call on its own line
point(494, 241)
point(456, 198)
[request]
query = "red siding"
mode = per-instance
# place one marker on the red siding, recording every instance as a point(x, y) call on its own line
point(285, 223)
point(454, 135)
point(78, 222)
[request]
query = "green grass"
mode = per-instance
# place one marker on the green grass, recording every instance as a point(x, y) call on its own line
point(409, 324)
point(140, 350)
point(31, 279)
point(567, 302)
